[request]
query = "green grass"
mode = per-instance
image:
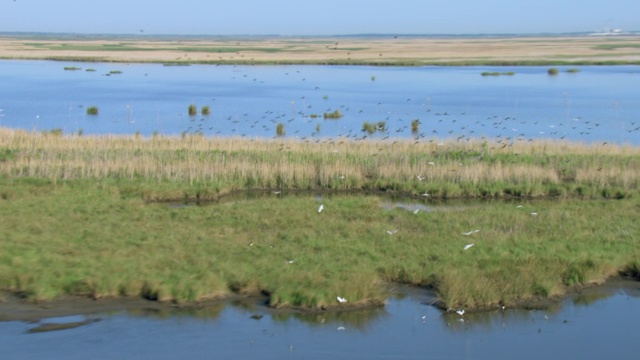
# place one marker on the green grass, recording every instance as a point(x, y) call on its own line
point(497, 73)
point(93, 238)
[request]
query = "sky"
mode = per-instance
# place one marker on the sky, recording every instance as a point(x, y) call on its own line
point(318, 17)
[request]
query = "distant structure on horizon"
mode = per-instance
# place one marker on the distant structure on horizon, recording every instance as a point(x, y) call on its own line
point(609, 32)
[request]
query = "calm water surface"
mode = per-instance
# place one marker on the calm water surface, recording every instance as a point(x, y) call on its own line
point(596, 104)
point(600, 323)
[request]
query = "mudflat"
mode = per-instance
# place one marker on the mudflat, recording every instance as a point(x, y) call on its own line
point(369, 50)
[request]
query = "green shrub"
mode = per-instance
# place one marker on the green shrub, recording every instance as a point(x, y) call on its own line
point(333, 115)
point(552, 71)
point(193, 110)
point(206, 110)
point(92, 110)
point(415, 125)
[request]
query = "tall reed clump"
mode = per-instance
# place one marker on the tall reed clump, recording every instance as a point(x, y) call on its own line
point(92, 110)
point(192, 110)
point(415, 125)
point(206, 110)
point(280, 129)
point(336, 114)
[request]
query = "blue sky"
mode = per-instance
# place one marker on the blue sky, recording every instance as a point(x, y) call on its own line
point(318, 17)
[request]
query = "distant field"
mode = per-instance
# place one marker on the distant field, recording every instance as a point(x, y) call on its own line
point(381, 50)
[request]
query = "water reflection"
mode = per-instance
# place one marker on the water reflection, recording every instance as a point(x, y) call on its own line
point(597, 323)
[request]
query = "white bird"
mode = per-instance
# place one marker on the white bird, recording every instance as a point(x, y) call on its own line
point(431, 163)
point(534, 214)
point(519, 207)
point(460, 312)
point(425, 194)
point(416, 211)
point(419, 178)
point(391, 232)
point(341, 299)
point(277, 192)
point(467, 246)
point(341, 328)
point(320, 208)
point(470, 232)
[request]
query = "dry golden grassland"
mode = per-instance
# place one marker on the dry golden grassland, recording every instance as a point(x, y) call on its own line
point(442, 169)
point(343, 50)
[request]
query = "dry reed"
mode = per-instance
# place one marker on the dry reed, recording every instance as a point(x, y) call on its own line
point(231, 163)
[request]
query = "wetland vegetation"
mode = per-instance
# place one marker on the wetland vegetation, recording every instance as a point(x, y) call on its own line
point(97, 216)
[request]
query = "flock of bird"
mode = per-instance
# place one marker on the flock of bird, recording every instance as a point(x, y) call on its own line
point(255, 102)
point(417, 117)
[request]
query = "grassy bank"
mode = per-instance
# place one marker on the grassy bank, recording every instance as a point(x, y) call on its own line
point(77, 219)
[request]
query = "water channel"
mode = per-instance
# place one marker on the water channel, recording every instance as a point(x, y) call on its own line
point(597, 323)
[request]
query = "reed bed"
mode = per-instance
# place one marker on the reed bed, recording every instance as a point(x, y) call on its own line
point(445, 169)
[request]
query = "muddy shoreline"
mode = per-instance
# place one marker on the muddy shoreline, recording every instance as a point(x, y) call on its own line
point(15, 308)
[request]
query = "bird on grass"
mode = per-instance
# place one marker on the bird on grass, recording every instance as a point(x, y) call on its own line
point(467, 246)
point(320, 208)
point(341, 299)
point(470, 232)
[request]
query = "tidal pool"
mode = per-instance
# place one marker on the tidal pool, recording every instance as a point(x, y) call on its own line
point(599, 322)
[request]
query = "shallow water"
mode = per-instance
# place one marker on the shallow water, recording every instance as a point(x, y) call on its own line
point(599, 323)
point(599, 103)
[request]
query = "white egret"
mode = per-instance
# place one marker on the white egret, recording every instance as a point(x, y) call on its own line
point(320, 208)
point(416, 211)
point(460, 312)
point(341, 299)
point(391, 232)
point(470, 232)
point(467, 246)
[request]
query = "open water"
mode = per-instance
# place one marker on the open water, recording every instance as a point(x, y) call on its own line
point(596, 104)
point(600, 323)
